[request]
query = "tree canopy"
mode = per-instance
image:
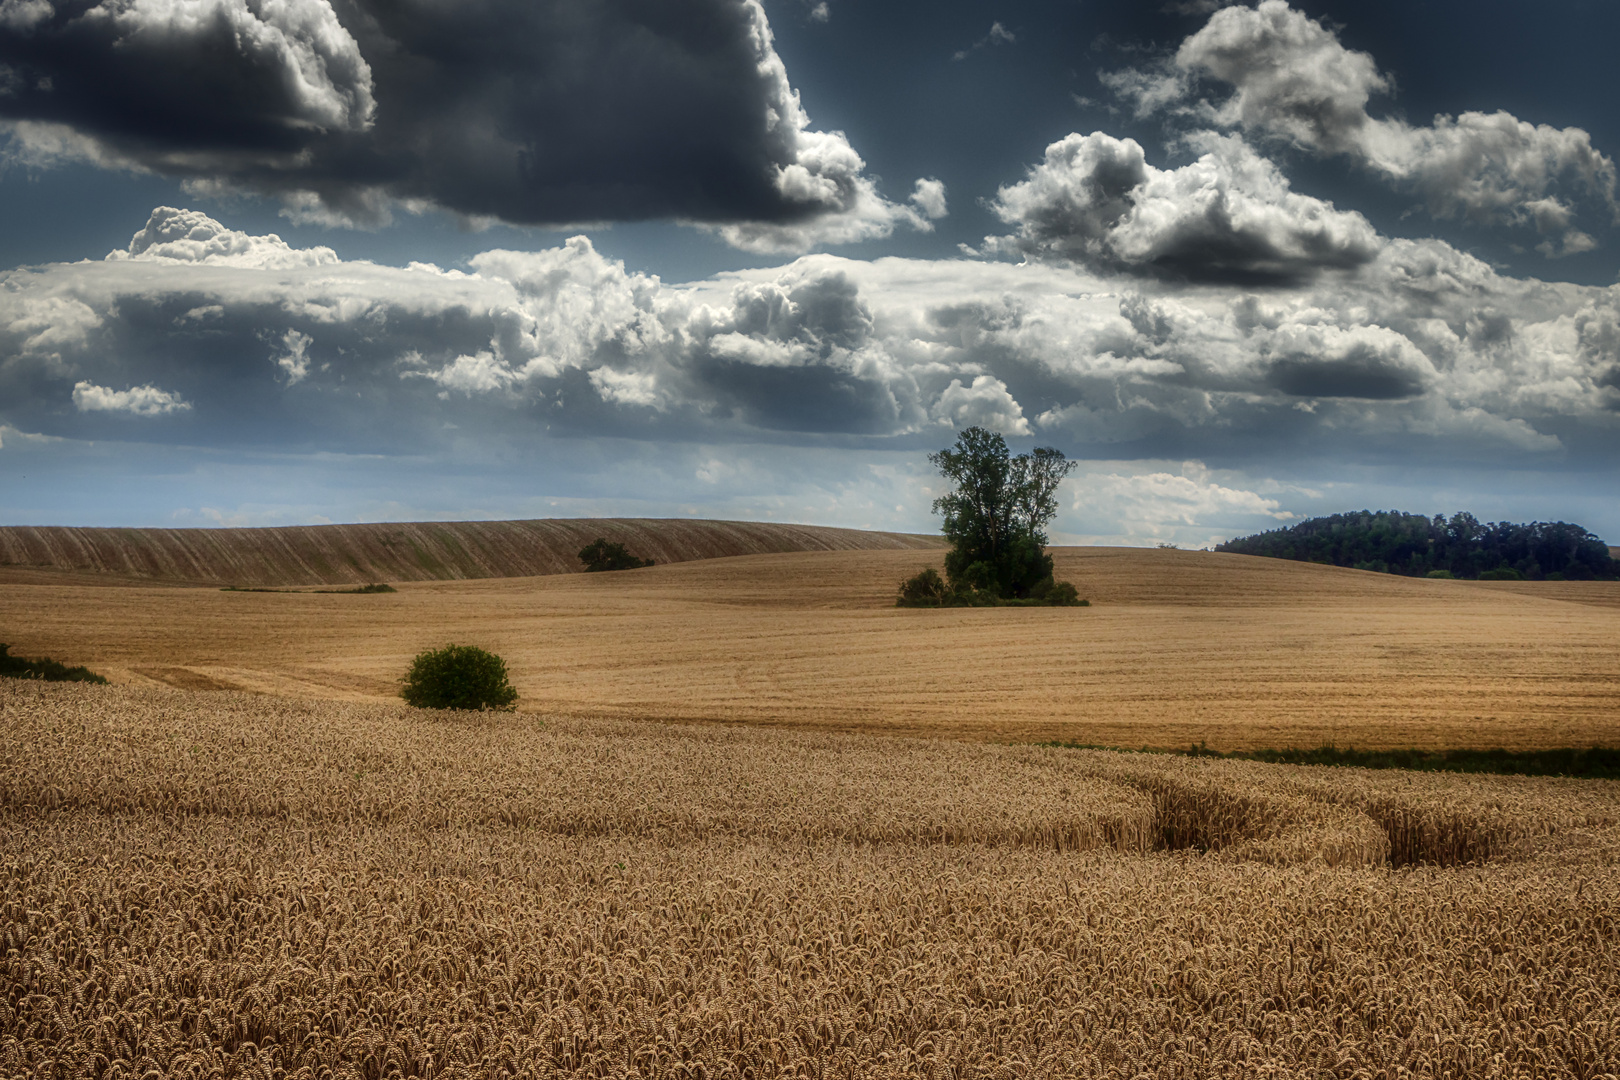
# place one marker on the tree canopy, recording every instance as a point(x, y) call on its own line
point(995, 518)
point(1461, 546)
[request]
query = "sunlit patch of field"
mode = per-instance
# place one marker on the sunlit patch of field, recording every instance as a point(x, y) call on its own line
point(205, 884)
point(1178, 647)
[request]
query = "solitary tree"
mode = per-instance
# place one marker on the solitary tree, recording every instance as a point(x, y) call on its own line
point(996, 518)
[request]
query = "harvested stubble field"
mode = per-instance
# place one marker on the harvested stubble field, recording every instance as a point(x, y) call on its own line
point(1178, 647)
point(217, 884)
point(405, 551)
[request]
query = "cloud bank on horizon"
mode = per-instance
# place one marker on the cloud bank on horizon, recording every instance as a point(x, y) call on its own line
point(1149, 318)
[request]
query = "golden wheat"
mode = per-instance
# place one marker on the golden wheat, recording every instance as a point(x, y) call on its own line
point(1180, 647)
point(229, 885)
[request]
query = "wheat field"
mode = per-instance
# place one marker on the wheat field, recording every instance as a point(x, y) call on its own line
point(248, 859)
point(227, 884)
point(1178, 647)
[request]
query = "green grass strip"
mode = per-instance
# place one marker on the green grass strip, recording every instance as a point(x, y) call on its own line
point(1598, 762)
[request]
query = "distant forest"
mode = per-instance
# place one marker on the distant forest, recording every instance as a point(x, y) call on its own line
point(1395, 543)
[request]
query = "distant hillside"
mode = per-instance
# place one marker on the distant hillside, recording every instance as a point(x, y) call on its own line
point(412, 551)
point(1393, 542)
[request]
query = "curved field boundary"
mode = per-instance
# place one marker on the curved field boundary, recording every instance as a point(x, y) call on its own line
point(410, 551)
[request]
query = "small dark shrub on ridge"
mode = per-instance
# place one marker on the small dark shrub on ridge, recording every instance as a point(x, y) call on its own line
point(601, 555)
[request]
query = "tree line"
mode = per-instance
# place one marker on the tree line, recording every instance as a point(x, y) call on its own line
point(1462, 546)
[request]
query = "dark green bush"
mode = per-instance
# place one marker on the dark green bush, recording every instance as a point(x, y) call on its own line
point(1062, 594)
point(458, 677)
point(978, 589)
point(15, 667)
point(600, 555)
point(927, 589)
point(1501, 573)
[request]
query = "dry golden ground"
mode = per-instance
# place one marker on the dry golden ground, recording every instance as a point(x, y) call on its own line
point(1178, 647)
point(222, 884)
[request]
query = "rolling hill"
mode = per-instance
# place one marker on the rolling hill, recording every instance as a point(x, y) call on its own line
point(1178, 647)
point(411, 551)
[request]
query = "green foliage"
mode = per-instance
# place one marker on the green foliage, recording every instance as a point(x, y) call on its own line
point(927, 589)
point(362, 590)
point(600, 556)
point(15, 667)
point(1598, 763)
point(1060, 594)
point(458, 677)
point(1443, 575)
point(996, 515)
point(995, 518)
point(1392, 542)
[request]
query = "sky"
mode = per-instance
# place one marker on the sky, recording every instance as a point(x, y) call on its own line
point(271, 262)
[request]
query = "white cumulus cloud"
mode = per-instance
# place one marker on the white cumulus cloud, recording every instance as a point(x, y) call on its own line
point(1291, 79)
point(1228, 216)
point(137, 401)
point(194, 237)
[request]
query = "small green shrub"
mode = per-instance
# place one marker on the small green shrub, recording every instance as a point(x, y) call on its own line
point(1444, 575)
point(927, 589)
point(458, 677)
point(15, 667)
point(1501, 573)
point(600, 555)
point(1064, 594)
point(976, 588)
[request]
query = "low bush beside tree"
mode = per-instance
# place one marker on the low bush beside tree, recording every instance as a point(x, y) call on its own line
point(458, 677)
point(995, 518)
point(599, 556)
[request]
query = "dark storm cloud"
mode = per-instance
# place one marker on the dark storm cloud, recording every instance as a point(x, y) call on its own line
point(1229, 216)
point(1361, 376)
point(202, 82)
point(814, 398)
point(532, 113)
